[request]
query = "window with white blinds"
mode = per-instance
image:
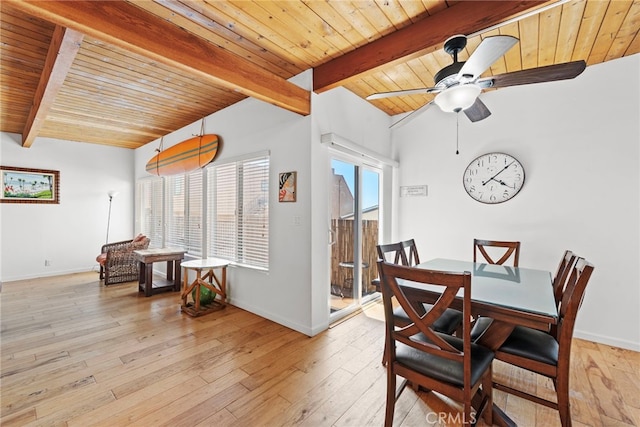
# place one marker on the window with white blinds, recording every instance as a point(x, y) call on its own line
point(238, 211)
point(183, 211)
point(221, 211)
point(150, 210)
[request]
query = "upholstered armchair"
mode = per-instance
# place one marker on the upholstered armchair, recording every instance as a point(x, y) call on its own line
point(117, 263)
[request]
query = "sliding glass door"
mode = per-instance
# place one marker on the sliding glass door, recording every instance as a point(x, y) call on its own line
point(355, 207)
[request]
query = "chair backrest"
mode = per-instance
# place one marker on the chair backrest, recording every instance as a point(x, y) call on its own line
point(411, 252)
point(392, 251)
point(570, 305)
point(508, 249)
point(562, 274)
point(408, 297)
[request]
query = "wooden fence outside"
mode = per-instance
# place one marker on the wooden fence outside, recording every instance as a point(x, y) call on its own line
point(342, 251)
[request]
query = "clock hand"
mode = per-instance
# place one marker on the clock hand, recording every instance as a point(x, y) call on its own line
point(499, 172)
point(503, 183)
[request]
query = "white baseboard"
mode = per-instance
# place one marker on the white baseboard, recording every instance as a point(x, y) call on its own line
point(303, 329)
point(51, 274)
point(614, 342)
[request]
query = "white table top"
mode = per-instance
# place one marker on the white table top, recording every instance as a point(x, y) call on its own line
point(199, 264)
point(522, 289)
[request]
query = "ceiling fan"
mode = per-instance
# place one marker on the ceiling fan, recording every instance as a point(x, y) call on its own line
point(459, 84)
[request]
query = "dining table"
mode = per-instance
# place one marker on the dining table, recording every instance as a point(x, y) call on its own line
point(511, 296)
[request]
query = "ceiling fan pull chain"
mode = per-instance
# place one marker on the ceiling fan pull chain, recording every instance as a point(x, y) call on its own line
point(457, 130)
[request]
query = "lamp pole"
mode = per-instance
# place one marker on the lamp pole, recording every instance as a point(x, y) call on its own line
point(111, 195)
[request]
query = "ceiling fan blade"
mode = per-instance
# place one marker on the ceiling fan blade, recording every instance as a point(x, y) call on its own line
point(487, 52)
point(406, 119)
point(549, 73)
point(478, 111)
point(402, 93)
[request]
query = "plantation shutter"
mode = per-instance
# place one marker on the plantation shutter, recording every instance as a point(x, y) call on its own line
point(175, 197)
point(150, 210)
point(222, 211)
point(238, 211)
point(254, 212)
point(194, 225)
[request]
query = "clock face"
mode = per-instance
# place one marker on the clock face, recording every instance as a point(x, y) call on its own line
point(493, 178)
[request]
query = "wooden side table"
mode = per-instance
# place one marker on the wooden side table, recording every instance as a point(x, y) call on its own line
point(146, 258)
point(210, 281)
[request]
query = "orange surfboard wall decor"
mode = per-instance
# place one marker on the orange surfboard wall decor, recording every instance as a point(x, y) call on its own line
point(185, 156)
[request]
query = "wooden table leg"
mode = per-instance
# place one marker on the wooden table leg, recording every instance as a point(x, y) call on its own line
point(141, 273)
point(221, 288)
point(197, 289)
point(177, 272)
point(495, 335)
point(223, 283)
point(185, 286)
point(498, 418)
point(148, 279)
point(170, 270)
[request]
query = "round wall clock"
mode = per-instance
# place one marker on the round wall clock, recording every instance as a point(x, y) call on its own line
point(493, 178)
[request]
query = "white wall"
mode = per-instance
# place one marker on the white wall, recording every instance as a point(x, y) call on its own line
point(340, 112)
point(69, 234)
point(578, 141)
point(295, 291)
point(251, 126)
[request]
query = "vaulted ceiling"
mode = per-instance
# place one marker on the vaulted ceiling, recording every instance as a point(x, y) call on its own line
point(125, 73)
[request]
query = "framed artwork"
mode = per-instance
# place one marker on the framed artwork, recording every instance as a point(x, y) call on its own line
point(24, 185)
point(287, 187)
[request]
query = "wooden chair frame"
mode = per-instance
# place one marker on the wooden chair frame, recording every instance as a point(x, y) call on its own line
point(411, 252)
point(397, 249)
point(569, 306)
point(511, 248)
point(413, 335)
point(559, 280)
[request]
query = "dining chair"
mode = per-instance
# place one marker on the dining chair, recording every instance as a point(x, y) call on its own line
point(562, 273)
point(508, 250)
point(411, 252)
point(545, 353)
point(452, 366)
point(567, 261)
point(450, 320)
point(394, 250)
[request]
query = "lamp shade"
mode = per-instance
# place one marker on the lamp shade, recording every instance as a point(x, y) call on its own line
point(112, 193)
point(457, 98)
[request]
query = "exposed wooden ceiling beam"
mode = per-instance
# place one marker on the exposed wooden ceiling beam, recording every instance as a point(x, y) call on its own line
point(129, 27)
point(63, 48)
point(425, 36)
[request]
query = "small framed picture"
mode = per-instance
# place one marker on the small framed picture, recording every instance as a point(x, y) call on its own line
point(24, 185)
point(287, 187)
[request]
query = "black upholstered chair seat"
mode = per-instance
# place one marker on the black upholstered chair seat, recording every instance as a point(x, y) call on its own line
point(444, 369)
point(524, 342)
point(532, 344)
point(447, 323)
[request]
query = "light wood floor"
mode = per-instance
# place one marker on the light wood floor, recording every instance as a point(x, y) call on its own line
point(76, 353)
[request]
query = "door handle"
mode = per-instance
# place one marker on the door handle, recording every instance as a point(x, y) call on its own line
point(332, 241)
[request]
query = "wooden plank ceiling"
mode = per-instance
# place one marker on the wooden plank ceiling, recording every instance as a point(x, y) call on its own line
point(125, 73)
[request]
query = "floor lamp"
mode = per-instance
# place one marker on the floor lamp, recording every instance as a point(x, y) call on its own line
point(111, 195)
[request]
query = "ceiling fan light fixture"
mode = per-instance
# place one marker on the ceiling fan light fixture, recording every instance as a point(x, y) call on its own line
point(457, 98)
